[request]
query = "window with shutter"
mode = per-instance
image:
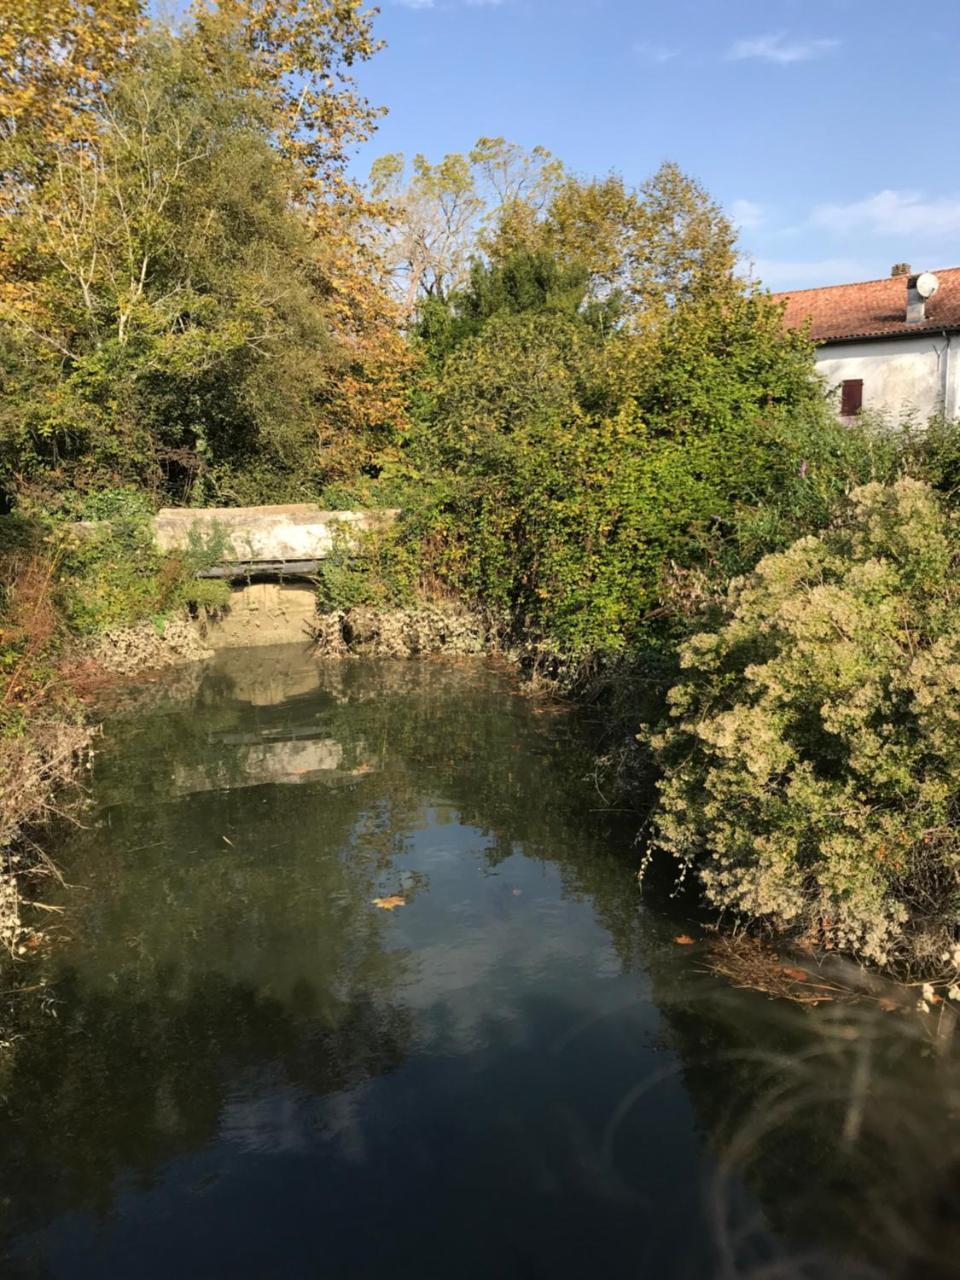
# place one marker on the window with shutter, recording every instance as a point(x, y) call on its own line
point(851, 397)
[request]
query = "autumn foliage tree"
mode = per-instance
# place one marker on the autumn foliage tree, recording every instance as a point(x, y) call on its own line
point(605, 400)
point(187, 300)
point(432, 219)
point(56, 57)
point(653, 246)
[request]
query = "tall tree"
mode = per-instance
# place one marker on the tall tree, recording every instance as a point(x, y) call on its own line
point(300, 55)
point(604, 395)
point(430, 229)
point(437, 216)
point(186, 297)
point(649, 248)
point(662, 243)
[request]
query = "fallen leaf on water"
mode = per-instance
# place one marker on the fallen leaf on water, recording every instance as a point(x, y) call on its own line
point(796, 975)
point(390, 904)
point(886, 1004)
point(227, 840)
point(683, 940)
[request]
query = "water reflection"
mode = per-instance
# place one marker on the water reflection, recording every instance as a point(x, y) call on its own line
point(253, 1071)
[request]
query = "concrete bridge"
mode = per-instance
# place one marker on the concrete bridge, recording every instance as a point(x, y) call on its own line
point(267, 542)
point(269, 555)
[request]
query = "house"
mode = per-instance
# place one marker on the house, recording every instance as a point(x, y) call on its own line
point(890, 346)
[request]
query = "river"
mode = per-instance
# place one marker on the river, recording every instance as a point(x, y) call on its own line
point(354, 979)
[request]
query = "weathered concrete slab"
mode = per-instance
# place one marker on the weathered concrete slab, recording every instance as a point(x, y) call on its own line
point(298, 534)
point(265, 613)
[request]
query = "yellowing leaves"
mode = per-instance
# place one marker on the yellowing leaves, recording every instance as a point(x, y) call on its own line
point(124, 161)
point(391, 903)
point(54, 55)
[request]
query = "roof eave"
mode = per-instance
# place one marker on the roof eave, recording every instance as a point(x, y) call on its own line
point(875, 335)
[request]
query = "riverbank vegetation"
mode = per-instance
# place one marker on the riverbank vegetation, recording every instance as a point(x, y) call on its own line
point(810, 757)
point(593, 420)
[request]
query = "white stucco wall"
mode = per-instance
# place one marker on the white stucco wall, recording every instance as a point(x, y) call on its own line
point(917, 376)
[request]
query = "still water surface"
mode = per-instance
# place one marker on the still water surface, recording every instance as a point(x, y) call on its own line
point(246, 1068)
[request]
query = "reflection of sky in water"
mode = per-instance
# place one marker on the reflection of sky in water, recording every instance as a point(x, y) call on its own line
point(256, 1072)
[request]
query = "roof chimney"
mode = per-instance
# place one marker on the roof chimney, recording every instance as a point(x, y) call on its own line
point(919, 289)
point(901, 269)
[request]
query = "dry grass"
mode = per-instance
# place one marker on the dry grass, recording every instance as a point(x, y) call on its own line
point(36, 771)
point(32, 769)
point(753, 964)
point(28, 630)
point(42, 737)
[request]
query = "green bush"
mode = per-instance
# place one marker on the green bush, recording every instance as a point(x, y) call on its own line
point(565, 472)
point(811, 756)
point(931, 453)
point(114, 576)
point(123, 503)
point(377, 567)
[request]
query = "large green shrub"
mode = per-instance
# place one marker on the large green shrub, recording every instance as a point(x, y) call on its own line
point(811, 757)
point(565, 468)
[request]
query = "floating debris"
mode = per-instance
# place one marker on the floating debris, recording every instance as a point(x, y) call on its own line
point(390, 904)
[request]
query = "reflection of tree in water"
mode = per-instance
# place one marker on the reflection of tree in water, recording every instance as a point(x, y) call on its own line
point(521, 776)
point(232, 927)
point(142, 1070)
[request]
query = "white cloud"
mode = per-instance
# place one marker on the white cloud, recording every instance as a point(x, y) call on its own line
point(658, 53)
point(776, 47)
point(893, 213)
point(747, 214)
point(803, 273)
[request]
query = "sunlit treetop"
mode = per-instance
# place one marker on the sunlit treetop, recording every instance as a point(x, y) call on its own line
point(55, 56)
point(301, 54)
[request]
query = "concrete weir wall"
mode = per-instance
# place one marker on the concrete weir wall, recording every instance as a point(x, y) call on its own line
point(260, 540)
point(265, 613)
point(264, 549)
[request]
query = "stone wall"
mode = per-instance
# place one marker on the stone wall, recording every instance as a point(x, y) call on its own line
point(405, 633)
point(279, 613)
point(128, 651)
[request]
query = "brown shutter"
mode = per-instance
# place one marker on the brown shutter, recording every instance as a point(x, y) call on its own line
point(851, 397)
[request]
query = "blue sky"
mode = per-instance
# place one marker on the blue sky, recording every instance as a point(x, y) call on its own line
point(825, 127)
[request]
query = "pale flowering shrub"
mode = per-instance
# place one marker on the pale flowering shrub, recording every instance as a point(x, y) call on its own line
point(811, 755)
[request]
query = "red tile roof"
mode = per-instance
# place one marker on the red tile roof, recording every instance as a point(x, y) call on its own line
point(871, 309)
